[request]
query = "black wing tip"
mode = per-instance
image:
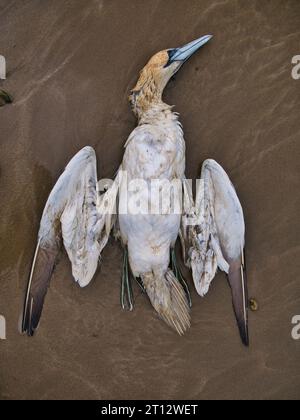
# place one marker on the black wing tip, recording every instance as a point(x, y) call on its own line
point(244, 331)
point(247, 343)
point(245, 337)
point(42, 269)
point(239, 290)
point(31, 316)
point(29, 332)
point(26, 328)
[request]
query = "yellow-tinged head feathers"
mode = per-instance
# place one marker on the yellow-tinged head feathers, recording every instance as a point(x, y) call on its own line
point(151, 83)
point(158, 71)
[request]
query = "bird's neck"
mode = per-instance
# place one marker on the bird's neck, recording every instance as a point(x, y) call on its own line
point(147, 104)
point(157, 113)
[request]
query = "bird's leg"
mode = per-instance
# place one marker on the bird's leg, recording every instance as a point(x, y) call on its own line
point(126, 287)
point(179, 276)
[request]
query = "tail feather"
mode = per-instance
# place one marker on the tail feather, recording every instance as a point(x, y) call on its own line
point(169, 300)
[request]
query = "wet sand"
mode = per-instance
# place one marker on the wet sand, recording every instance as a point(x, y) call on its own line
point(71, 65)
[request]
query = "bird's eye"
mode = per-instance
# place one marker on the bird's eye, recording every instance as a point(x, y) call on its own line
point(171, 54)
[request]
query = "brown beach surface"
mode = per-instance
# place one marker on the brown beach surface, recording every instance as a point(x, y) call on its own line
point(71, 65)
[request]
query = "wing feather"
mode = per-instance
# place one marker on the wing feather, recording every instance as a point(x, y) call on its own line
point(75, 214)
point(213, 231)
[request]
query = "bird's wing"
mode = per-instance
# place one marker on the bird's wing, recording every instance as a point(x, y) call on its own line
point(213, 236)
point(77, 214)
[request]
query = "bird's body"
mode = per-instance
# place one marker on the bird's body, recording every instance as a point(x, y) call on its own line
point(154, 160)
point(152, 213)
point(155, 151)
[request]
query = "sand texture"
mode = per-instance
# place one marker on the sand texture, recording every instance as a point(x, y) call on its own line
point(71, 65)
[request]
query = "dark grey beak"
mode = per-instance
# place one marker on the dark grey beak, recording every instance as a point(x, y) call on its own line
point(184, 53)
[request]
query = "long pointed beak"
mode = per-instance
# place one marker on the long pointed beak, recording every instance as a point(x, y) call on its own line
point(184, 53)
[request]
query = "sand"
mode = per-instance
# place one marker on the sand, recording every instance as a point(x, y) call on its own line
point(71, 65)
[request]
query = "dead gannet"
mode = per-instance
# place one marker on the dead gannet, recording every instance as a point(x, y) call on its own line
point(211, 228)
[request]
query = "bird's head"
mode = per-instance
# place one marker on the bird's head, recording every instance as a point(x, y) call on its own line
point(158, 71)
